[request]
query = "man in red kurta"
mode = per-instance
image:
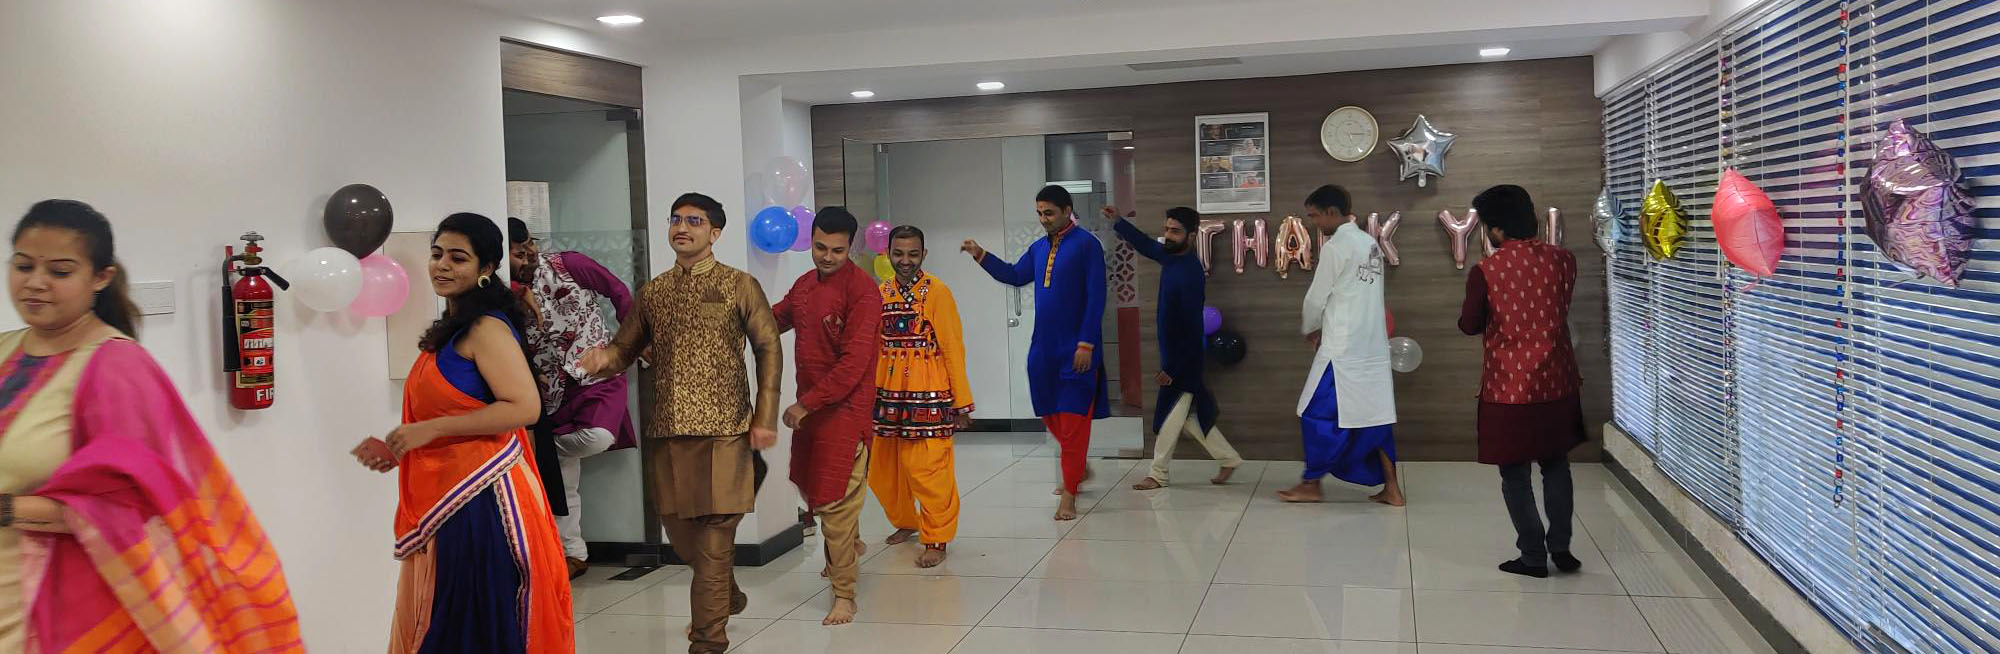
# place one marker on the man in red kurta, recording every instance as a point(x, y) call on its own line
point(837, 312)
point(1518, 299)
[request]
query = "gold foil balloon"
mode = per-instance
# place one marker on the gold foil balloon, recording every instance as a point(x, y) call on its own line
point(1294, 244)
point(1662, 224)
point(1204, 240)
point(1257, 241)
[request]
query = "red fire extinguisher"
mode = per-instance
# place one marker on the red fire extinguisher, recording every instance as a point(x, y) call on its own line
point(249, 326)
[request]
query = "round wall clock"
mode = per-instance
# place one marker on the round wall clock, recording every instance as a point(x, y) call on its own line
point(1349, 133)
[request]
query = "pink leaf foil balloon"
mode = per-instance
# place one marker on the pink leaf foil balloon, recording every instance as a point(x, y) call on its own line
point(1204, 241)
point(1294, 244)
point(1917, 211)
point(1257, 241)
point(1460, 229)
point(1748, 227)
point(1384, 232)
point(1552, 231)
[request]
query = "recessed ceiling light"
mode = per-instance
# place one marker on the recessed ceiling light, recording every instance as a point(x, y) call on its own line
point(1494, 52)
point(1126, 147)
point(991, 86)
point(620, 19)
point(862, 94)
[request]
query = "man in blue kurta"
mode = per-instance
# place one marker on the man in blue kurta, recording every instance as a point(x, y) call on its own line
point(1183, 295)
point(1065, 370)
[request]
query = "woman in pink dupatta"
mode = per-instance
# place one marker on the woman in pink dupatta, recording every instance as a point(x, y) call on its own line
point(120, 529)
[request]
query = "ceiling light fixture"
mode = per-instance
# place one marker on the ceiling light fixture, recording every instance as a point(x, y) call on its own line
point(862, 94)
point(1128, 147)
point(620, 19)
point(1494, 52)
point(991, 86)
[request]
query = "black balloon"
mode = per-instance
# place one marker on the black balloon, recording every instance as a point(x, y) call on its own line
point(1227, 347)
point(358, 219)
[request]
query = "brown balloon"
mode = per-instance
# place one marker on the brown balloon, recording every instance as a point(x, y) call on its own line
point(358, 219)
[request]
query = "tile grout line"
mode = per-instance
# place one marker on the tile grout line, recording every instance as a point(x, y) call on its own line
point(1017, 581)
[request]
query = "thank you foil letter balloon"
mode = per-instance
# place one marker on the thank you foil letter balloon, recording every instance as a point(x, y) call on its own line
point(1747, 225)
point(1661, 222)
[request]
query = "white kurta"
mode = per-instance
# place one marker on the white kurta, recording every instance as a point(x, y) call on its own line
point(1345, 305)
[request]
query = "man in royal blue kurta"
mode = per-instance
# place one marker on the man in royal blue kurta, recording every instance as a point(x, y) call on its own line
point(1065, 370)
point(1184, 403)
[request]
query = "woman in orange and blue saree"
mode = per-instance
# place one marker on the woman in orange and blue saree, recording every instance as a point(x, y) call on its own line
point(483, 567)
point(120, 530)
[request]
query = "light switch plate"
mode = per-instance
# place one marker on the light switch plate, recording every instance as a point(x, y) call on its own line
point(153, 298)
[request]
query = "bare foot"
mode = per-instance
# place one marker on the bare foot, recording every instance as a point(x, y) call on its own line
point(1222, 476)
point(1306, 491)
point(1392, 496)
point(1066, 510)
point(1148, 483)
point(901, 536)
point(842, 612)
point(932, 556)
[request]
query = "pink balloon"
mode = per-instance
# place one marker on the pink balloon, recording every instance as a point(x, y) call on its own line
point(1204, 241)
point(1258, 242)
point(1384, 232)
point(384, 287)
point(805, 239)
point(787, 182)
point(1747, 226)
point(1552, 231)
point(878, 235)
point(1461, 230)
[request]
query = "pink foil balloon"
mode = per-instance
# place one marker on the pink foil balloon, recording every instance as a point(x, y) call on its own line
point(1257, 242)
point(1917, 209)
point(384, 287)
point(1293, 244)
point(1552, 231)
point(1204, 241)
point(1461, 229)
point(1384, 232)
point(1747, 225)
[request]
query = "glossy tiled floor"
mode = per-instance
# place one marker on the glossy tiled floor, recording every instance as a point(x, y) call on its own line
point(1208, 569)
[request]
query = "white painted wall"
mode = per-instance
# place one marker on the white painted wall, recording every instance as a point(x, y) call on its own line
point(1627, 56)
point(189, 122)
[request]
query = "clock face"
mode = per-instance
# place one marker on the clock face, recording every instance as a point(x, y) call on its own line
point(1349, 133)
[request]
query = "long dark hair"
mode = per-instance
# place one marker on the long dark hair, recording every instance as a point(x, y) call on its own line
point(114, 303)
point(467, 308)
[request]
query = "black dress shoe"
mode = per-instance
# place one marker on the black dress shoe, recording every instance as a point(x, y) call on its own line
point(1565, 561)
point(1517, 567)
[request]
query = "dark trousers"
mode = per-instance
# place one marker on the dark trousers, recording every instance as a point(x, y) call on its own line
point(1558, 497)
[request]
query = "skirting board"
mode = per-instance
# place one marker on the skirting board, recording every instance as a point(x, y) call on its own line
point(1767, 600)
point(747, 554)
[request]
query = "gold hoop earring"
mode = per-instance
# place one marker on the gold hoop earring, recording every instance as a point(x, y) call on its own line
point(484, 280)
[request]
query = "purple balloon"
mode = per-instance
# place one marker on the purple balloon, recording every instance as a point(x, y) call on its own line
point(1917, 211)
point(805, 218)
point(1211, 320)
point(878, 235)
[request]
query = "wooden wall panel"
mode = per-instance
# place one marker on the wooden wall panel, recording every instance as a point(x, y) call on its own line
point(536, 69)
point(1532, 123)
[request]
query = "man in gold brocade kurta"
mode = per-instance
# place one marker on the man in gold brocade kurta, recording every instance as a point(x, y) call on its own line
point(922, 398)
point(694, 320)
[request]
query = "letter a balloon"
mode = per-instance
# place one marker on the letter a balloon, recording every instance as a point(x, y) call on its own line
point(1662, 224)
point(1747, 225)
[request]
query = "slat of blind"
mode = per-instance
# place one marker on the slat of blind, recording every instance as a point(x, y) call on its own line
point(1626, 124)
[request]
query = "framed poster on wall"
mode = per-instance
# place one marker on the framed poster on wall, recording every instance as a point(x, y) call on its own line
point(1232, 166)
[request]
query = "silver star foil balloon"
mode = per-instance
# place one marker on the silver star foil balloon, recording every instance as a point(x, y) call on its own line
point(1916, 210)
point(1421, 150)
point(1604, 220)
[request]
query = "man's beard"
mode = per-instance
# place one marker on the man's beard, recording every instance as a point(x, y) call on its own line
point(1176, 247)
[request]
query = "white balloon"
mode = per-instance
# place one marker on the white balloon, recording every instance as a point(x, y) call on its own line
point(1404, 354)
point(325, 279)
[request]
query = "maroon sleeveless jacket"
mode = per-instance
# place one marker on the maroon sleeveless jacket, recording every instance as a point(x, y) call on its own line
point(1528, 354)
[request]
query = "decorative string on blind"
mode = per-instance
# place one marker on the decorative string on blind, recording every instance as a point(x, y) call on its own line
point(1844, 417)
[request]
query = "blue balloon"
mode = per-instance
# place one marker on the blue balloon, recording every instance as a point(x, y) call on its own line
point(773, 229)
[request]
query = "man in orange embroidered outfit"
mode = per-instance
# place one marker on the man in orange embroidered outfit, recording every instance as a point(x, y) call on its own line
point(922, 398)
point(695, 320)
point(836, 311)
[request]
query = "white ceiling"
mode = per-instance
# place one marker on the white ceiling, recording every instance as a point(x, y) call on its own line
point(818, 51)
point(834, 87)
